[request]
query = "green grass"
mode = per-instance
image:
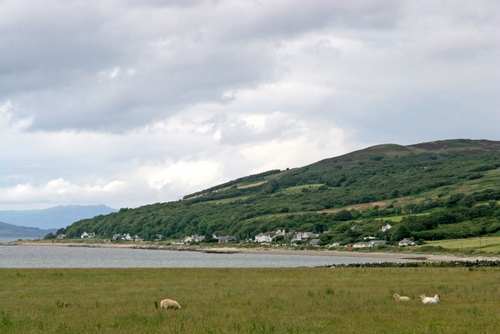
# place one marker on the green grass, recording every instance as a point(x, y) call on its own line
point(299, 188)
point(489, 244)
point(230, 200)
point(297, 300)
point(400, 217)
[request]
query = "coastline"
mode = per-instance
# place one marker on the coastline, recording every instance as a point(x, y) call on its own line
point(268, 251)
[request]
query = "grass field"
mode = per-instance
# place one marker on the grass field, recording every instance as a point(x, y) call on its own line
point(488, 244)
point(297, 300)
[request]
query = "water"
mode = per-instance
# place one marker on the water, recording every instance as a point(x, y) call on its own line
point(83, 257)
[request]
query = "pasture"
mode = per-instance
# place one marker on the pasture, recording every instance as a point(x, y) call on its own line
point(296, 300)
point(488, 244)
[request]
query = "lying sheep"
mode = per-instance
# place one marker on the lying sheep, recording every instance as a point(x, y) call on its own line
point(169, 303)
point(430, 300)
point(401, 298)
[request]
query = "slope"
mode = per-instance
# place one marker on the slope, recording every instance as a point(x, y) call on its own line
point(390, 177)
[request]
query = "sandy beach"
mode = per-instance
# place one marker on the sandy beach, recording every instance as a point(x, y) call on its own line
point(269, 251)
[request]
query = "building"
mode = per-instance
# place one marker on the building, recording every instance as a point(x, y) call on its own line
point(302, 236)
point(406, 242)
point(227, 239)
point(87, 235)
point(193, 238)
point(264, 237)
point(373, 243)
point(315, 242)
point(385, 228)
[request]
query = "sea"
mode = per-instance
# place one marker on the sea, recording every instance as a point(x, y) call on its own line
point(86, 257)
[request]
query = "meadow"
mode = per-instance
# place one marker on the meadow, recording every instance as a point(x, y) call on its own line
point(297, 300)
point(488, 244)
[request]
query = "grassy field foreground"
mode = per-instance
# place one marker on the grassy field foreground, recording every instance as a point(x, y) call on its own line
point(297, 300)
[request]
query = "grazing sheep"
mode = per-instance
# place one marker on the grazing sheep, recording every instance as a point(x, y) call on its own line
point(169, 303)
point(429, 300)
point(401, 298)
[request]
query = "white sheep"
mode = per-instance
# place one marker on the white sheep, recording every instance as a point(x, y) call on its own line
point(401, 298)
point(430, 300)
point(169, 303)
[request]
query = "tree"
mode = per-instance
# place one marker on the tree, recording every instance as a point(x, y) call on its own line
point(454, 199)
point(271, 187)
point(467, 201)
point(279, 239)
point(49, 236)
point(343, 215)
point(400, 232)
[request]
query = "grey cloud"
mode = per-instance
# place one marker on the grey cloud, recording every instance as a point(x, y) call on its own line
point(155, 83)
point(284, 19)
point(178, 57)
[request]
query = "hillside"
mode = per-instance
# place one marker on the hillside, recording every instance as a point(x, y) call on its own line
point(427, 191)
point(55, 217)
point(9, 232)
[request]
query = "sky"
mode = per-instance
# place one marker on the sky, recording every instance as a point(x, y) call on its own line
point(128, 103)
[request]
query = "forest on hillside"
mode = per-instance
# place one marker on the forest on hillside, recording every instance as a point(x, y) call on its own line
point(412, 184)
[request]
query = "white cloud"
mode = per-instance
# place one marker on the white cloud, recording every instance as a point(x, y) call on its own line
point(181, 175)
point(8, 122)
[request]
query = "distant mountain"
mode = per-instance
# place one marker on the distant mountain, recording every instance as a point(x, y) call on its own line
point(53, 218)
point(9, 232)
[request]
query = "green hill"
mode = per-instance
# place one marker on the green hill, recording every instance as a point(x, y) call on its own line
point(442, 189)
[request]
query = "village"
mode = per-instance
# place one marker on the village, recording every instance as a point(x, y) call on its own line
point(277, 238)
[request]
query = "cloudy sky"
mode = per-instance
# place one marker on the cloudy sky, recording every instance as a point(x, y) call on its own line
point(127, 103)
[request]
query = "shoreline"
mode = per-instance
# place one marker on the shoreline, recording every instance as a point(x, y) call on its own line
point(267, 251)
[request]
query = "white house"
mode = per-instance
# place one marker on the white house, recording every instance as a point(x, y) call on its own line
point(406, 242)
point(302, 236)
point(373, 243)
point(268, 236)
point(362, 244)
point(386, 227)
point(126, 237)
point(264, 237)
point(193, 238)
point(87, 235)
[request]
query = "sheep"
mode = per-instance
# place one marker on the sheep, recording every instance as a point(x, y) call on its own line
point(169, 303)
point(401, 298)
point(430, 300)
